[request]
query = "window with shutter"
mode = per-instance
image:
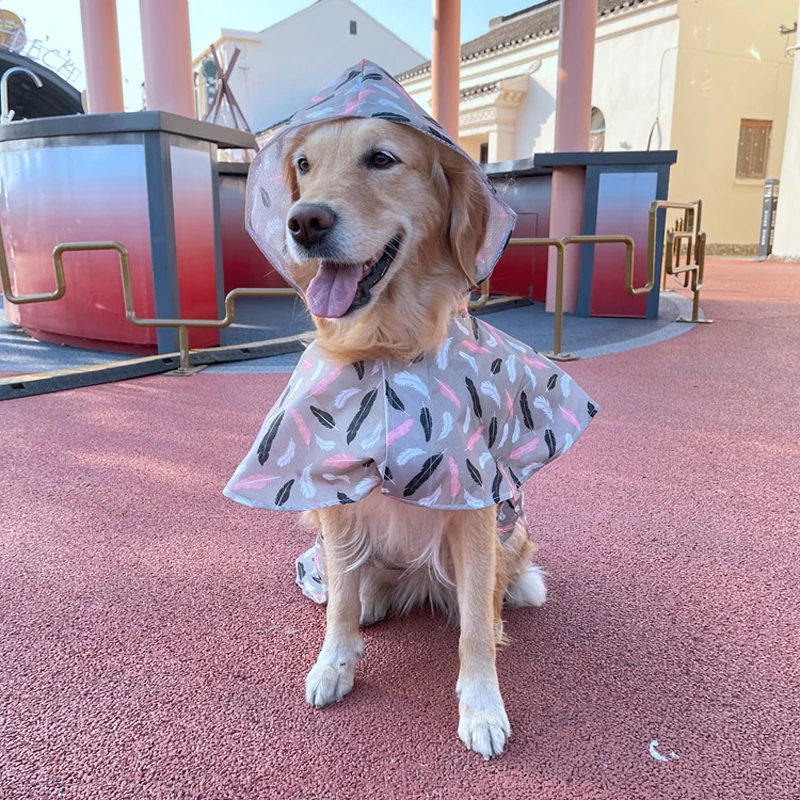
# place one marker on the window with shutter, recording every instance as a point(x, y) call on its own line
point(753, 153)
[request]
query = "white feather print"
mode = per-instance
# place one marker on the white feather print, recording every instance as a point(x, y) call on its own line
point(376, 367)
point(431, 500)
point(412, 382)
point(504, 436)
point(543, 406)
point(490, 340)
point(288, 454)
point(517, 431)
point(568, 440)
point(470, 360)
point(531, 376)
point(344, 396)
point(511, 366)
point(516, 345)
point(407, 455)
point(473, 502)
point(566, 385)
point(306, 484)
point(467, 420)
point(485, 459)
point(463, 329)
point(331, 477)
point(365, 485)
point(318, 371)
point(325, 444)
point(490, 390)
point(374, 437)
point(447, 425)
point(442, 359)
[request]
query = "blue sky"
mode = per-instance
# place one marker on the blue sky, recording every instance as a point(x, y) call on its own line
point(409, 19)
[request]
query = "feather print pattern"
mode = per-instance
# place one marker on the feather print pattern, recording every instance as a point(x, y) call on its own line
point(461, 427)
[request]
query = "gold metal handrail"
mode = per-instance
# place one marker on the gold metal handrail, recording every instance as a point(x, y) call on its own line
point(686, 230)
point(561, 245)
point(182, 325)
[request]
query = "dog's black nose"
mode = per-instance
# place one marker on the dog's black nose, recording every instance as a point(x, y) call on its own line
point(309, 223)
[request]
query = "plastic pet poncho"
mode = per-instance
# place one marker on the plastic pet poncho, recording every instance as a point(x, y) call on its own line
point(460, 428)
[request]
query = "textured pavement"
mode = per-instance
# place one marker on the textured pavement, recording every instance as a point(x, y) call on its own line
point(153, 644)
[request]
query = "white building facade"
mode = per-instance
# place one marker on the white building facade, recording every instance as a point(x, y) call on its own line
point(280, 67)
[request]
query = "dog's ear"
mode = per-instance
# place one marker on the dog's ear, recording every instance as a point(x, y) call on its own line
point(469, 211)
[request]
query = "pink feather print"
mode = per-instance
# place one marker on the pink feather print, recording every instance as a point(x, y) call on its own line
point(534, 362)
point(301, 425)
point(307, 363)
point(400, 431)
point(510, 404)
point(258, 481)
point(342, 460)
point(473, 440)
point(475, 348)
point(449, 393)
point(455, 481)
point(320, 386)
point(526, 448)
point(569, 416)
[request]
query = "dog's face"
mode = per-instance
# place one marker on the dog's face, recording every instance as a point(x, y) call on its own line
point(378, 207)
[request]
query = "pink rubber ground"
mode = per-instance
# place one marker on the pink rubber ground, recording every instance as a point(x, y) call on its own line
point(153, 644)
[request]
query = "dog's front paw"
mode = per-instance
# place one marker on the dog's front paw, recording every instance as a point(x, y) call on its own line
point(332, 677)
point(483, 724)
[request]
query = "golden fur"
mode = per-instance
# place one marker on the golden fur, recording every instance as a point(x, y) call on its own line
point(383, 556)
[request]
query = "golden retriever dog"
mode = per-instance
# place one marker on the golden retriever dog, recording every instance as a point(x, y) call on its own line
point(409, 215)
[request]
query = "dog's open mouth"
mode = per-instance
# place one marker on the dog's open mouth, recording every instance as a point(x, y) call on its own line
point(340, 288)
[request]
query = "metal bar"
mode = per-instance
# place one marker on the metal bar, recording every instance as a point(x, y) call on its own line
point(558, 318)
point(484, 298)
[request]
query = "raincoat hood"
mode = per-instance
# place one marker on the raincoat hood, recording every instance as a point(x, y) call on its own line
point(364, 91)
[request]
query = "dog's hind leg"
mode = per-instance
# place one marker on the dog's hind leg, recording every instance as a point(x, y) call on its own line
point(483, 724)
point(331, 678)
point(377, 590)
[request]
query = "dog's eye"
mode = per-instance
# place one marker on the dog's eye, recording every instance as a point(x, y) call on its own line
point(302, 164)
point(381, 160)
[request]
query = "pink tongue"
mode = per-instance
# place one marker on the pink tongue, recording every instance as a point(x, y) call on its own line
point(331, 291)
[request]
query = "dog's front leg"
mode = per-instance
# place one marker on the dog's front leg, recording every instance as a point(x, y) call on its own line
point(332, 676)
point(483, 724)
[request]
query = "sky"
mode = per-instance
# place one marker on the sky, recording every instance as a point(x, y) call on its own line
point(409, 19)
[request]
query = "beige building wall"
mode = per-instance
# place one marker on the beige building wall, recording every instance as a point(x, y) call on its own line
point(731, 66)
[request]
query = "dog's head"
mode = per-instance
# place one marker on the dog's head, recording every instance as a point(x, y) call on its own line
point(384, 227)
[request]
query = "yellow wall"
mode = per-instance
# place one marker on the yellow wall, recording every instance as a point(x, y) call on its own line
point(731, 65)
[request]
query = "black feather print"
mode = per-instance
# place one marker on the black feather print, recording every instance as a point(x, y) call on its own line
point(527, 417)
point(476, 400)
point(361, 415)
point(344, 499)
point(283, 493)
point(475, 329)
point(591, 408)
point(496, 483)
point(301, 570)
point(551, 384)
point(285, 392)
point(496, 365)
point(418, 359)
point(426, 420)
point(269, 438)
point(474, 474)
point(323, 416)
point(514, 478)
point(394, 401)
point(387, 474)
point(424, 475)
point(359, 368)
point(550, 440)
point(492, 432)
